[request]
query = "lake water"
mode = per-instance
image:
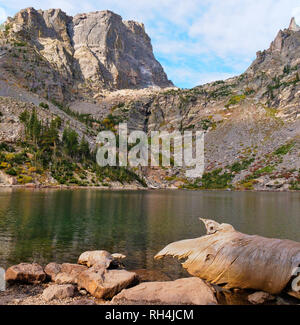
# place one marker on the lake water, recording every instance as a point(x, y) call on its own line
point(57, 225)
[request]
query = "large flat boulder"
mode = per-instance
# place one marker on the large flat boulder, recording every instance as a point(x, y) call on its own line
point(25, 273)
point(187, 291)
point(105, 284)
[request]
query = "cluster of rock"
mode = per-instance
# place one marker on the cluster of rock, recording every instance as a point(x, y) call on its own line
point(101, 274)
point(101, 278)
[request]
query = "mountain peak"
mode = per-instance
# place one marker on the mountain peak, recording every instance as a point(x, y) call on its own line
point(293, 25)
point(90, 51)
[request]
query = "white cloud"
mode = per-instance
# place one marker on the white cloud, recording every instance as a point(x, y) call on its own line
point(3, 15)
point(231, 26)
point(241, 27)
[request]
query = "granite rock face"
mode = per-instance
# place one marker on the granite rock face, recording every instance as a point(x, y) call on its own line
point(293, 25)
point(283, 52)
point(115, 52)
point(95, 51)
point(251, 122)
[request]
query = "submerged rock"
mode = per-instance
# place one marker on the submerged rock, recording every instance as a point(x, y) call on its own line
point(25, 273)
point(105, 284)
point(187, 291)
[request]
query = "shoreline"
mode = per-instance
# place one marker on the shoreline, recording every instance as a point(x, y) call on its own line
point(137, 188)
point(19, 293)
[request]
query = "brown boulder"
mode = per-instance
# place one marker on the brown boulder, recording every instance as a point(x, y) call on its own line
point(58, 292)
point(187, 291)
point(69, 273)
point(101, 258)
point(25, 273)
point(52, 269)
point(64, 278)
point(104, 284)
point(73, 269)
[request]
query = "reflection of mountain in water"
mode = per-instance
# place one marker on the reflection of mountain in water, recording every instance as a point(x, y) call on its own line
point(57, 225)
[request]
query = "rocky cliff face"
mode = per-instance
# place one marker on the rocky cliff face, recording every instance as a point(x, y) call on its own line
point(115, 52)
point(85, 54)
point(283, 52)
point(252, 121)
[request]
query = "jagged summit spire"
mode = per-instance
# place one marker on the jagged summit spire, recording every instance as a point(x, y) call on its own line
point(293, 25)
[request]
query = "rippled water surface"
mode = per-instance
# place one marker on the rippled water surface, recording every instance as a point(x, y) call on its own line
point(57, 225)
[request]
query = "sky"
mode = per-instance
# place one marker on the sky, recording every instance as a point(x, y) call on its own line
point(196, 41)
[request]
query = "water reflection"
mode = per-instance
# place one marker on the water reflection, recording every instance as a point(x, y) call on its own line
point(57, 225)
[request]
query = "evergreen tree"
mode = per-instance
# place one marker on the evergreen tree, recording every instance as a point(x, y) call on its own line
point(84, 149)
point(70, 141)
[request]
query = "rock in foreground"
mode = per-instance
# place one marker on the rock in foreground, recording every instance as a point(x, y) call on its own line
point(69, 273)
point(52, 269)
point(58, 292)
point(187, 291)
point(65, 273)
point(105, 284)
point(101, 258)
point(25, 273)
